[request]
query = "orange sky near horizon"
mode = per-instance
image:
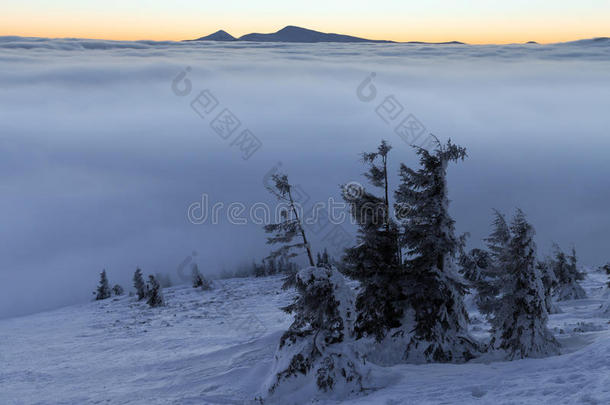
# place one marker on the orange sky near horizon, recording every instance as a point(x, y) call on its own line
point(140, 20)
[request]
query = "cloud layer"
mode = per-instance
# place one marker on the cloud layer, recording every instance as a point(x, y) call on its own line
point(100, 159)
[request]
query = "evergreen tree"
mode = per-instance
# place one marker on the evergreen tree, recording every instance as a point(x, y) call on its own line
point(323, 260)
point(290, 225)
point(140, 285)
point(259, 269)
point(271, 267)
point(118, 290)
point(549, 281)
point(490, 283)
point(155, 296)
point(375, 261)
point(103, 289)
point(199, 281)
point(196, 276)
point(433, 287)
point(315, 345)
point(480, 273)
point(520, 322)
point(607, 268)
point(566, 271)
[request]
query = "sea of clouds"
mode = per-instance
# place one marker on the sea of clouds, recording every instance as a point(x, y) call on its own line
point(102, 152)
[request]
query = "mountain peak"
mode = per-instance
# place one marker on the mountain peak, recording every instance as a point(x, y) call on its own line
point(292, 33)
point(220, 35)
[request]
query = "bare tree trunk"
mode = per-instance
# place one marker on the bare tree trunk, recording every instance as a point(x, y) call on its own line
point(305, 242)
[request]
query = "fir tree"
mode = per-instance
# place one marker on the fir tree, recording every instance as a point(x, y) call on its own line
point(199, 281)
point(139, 285)
point(103, 289)
point(118, 290)
point(259, 270)
point(433, 287)
point(520, 322)
point(196, 276)
point(323, 260)
point(314, 346)
point(480, 272)
point(155, 296)
point(489, 284)
point(290, 225)
point(607, 268)
point(271, 267)
point(375, 261)
point(566, 271)
point(549, 281)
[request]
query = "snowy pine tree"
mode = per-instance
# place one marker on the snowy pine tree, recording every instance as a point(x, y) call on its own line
point(566, 272)
point(289, 227)
point(118, 290)
point(315, 350)
point(323, 260)
point(433, 287)
point(490, 266)
point(139, 284)
point(155, 296)
point(607, 268)
point(549, 281)
point(199, 281)
point(520, 321)
point(375, 260)
point(103, 289)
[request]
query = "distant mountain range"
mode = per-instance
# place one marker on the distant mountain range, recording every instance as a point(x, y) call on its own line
point(294, 34)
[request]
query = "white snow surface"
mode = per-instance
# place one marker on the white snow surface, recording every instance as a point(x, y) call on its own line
point(217, 347)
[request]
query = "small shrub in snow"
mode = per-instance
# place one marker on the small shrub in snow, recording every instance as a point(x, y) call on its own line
point(118, 290)
point(314, 354)
point(199, 281)
point(155, 296)
point(140, 285)
point(103, 289)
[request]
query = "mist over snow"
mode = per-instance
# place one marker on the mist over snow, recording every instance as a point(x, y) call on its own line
point(100, 159)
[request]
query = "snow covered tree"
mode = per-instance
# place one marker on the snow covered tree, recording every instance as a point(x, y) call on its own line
point(549, 281)
point(607, 268)
point(375, 260)
point(196, 277)
point(259, 270)
point(199, 281)
point(489, 266)
point(118, 290)
point(103, 289)
point(433, 287)
point(314, 351)
point(155, 296)
point(566, 271)
point(323, 260)
point(290, 225)
point(140, 285)
point(271, 267)
point(520, 322)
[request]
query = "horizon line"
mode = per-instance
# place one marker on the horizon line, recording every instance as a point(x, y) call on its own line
point(388, 41)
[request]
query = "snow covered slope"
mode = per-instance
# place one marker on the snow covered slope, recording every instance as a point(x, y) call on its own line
point(216, 347)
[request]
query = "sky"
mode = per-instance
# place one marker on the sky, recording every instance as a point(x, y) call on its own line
point(472, 21)
point(101, 159)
